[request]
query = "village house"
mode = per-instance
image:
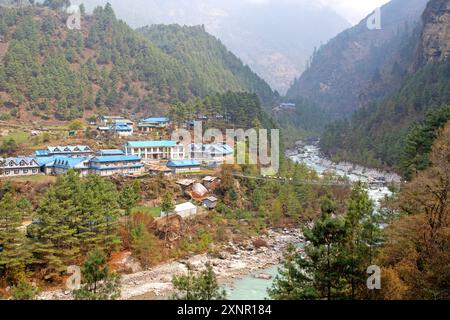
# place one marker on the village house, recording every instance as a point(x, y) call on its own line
point(62, 165)
point(211, 154)
point(185, 183)
point(99, 165)
point(153, 124)
point(122, 129)
point(156, 170)
point(210, 182)
point(210, 202)
point(155, 151)
point(19, 166)
point(111, 165)
point(46, 164)
point(72, 151)
point(184, 166)
point(184, 210)
point(108, 120)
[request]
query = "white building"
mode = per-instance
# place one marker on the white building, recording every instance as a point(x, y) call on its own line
point(111, 165)
point(184, 210)
point(20, 166)
point(210, 153)
point(155, 150)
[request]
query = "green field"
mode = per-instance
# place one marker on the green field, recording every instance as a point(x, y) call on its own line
point(18, 136)
point(154, 212)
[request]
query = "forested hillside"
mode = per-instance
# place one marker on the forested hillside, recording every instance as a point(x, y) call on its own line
point(266, 35)
point(208, 62)
point(50, 71)
point(361, 65)
point(399, 131)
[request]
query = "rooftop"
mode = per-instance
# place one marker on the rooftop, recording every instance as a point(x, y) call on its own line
point(17, 160)
point(116, 158)
point(111, 152)
point(71, 162)
point(68, 149)
point(183, 163)
point(151, 144)
point(216, 148)
point(155, 120)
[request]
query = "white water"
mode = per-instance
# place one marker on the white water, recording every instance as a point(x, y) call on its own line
point(377, 180)
point(251, 288)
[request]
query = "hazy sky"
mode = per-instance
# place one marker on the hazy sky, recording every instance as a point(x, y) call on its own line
point(353, 10)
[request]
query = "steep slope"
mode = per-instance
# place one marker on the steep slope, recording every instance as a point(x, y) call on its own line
point(208, 62)
point(399, 131)
point(50, 71)
point(435, 39)
point(275, 38)
point(361, 65)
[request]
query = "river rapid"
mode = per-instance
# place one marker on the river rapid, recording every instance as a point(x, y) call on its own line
point(252, 288)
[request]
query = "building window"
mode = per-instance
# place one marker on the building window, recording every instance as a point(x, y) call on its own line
point(25, 170)
point(16, 171)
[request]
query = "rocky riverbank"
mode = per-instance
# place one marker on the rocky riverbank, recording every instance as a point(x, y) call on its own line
point(231, 261)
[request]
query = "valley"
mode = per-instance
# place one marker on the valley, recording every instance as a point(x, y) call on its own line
point(146, 160)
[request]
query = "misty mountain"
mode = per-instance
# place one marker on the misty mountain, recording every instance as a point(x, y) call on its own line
point(398, 131)
point(362, 65)
point(275, 38)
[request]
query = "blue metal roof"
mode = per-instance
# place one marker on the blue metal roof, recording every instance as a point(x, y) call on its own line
point(183, 163)
point(138, 165)
point(43, 161)
point(69, 149)
point(216, 148)
point(41, 153)
point(151, 144)
point(111, 152)
point(121, 126)
point(71, 162)
point(116, 158)
point(155, 120)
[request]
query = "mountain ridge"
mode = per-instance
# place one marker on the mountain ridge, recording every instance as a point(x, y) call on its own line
point(398, 131)
point(106, 66)
point(265, 36)
point(342, 72)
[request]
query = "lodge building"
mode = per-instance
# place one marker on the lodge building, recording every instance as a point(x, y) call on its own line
point(19, 166)
point(154, 151)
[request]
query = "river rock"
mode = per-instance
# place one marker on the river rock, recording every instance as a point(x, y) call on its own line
point(263, 276)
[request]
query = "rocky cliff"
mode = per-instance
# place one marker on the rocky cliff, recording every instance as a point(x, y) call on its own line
point(435, 36)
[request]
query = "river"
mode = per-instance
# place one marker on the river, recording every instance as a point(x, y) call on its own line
point(252, 288)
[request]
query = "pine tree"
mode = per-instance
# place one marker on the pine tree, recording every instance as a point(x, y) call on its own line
point(13, 250)
point(99, 215)
point(292, 283)
point(167, 206)
point(201, 286)
point(319, 273)
point(129, 198)
point(98, 282)
point(361, 236)
point(59, 217)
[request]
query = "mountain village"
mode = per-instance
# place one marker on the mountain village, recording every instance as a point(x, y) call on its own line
point(189, 163)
